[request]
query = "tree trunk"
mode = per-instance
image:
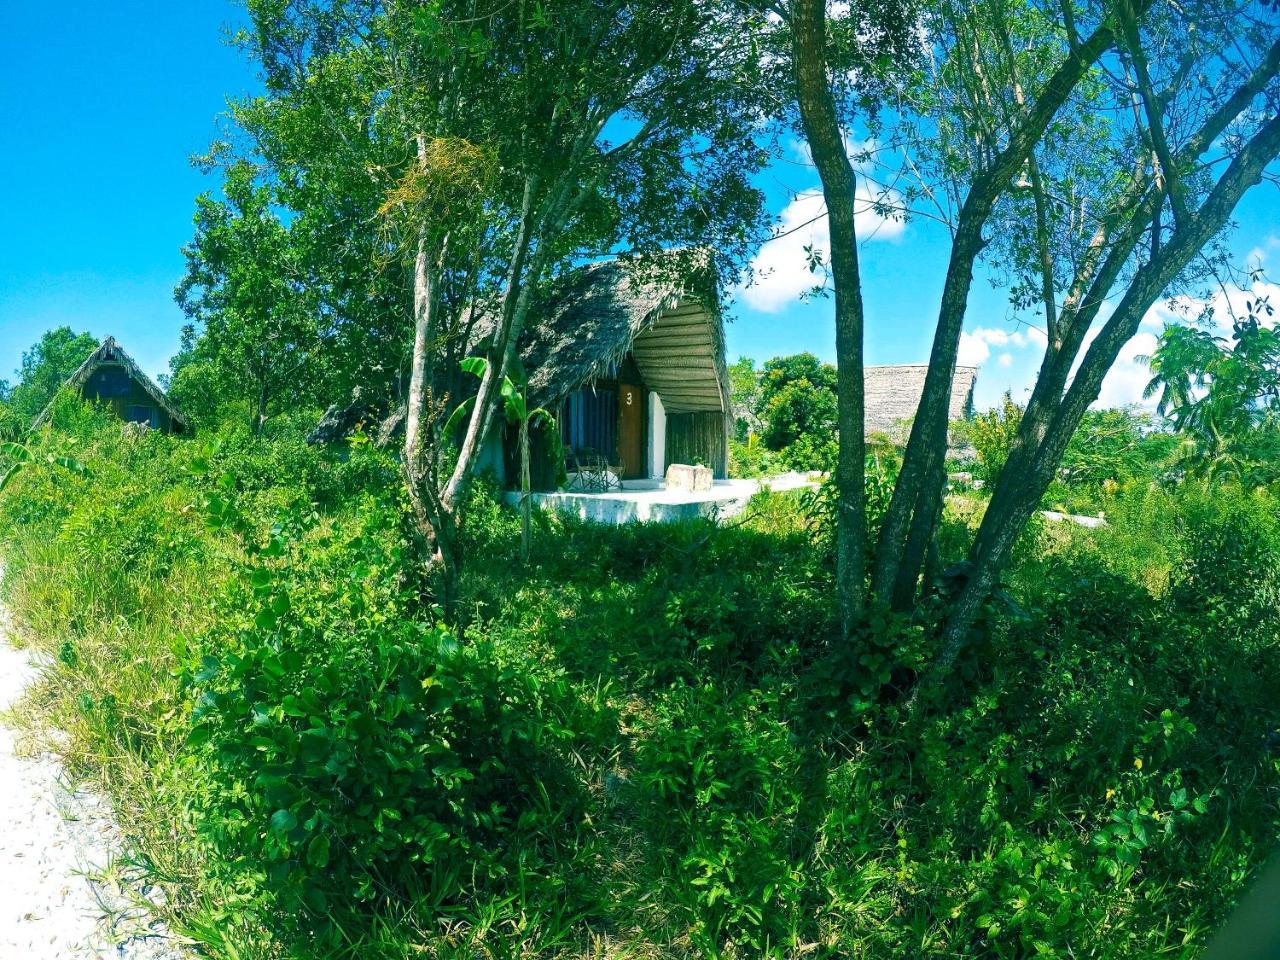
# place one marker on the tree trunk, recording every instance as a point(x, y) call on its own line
point(421, 364)
point(910, 520)
point(515, 301)
point(260, 414)
point(435, 525)
point(1056, 421)
point(826, 144)
point(526, 521)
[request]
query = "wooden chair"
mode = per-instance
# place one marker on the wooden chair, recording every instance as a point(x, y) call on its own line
point(592, 472)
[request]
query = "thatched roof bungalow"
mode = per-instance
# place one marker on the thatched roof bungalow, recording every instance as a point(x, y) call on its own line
point(111, 377)
point(893, 394)
point(630, 358)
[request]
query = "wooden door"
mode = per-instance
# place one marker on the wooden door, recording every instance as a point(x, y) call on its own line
point(631, 430)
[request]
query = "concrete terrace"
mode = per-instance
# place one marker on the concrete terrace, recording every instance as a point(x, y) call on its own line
point(649, 501)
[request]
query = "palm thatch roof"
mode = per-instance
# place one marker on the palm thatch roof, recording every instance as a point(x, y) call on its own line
point(111, 353)
point(663, 311)
point(893, 394)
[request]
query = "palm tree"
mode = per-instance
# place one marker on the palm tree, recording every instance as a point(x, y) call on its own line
point(1222, 396)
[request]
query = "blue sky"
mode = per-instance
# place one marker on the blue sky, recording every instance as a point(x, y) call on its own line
point(103, 104)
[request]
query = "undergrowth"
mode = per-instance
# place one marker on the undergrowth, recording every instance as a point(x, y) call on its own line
point(644, 743)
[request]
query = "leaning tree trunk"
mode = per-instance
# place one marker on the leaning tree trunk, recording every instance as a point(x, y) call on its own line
point(1021, 491)
point(526, 521)
point(913, 510)
point(826, 143)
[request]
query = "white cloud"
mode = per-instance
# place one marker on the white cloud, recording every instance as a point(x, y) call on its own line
point(974, 351)
point(1260, 256)
point(780, 271)
point(1009, 338)
point(1226, 302)
point(975, 346)
point(1128, 376)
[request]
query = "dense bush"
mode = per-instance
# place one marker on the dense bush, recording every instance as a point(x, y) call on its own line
point(991, 433)
point(785, 416)
point(347, 747)
point(646, 742)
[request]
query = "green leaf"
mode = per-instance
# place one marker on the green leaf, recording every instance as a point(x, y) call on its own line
point(209, 668)
point(316, 899)
point(75, 466)
point(198, 735)
point(318, 850)
point(282, 821)
point(508, 390)
point(9, 474)
point(15, 451)
point(456, 417)
point(475, 366)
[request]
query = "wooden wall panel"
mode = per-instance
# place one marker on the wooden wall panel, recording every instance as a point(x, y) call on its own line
point(699, 438)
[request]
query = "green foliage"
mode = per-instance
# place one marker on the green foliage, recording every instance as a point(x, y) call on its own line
point(797, 407)
point(348, 749)
point(45, 367)
point(18, 457)
point(256, 326)
point(1230, 575)
point(820, 505)
point(1114, 445)
point(1223, 395)
point(784, 416)
point(647, 730)
point(992, 433)
point(744, 384)
point(720, 772)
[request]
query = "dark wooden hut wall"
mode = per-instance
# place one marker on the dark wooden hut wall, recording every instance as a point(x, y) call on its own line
point(110, 376)
point(699, 438)
point(127, 399)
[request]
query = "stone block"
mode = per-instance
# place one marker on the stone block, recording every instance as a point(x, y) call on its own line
point(690, 477)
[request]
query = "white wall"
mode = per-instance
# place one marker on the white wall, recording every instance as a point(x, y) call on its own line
point(657, 437)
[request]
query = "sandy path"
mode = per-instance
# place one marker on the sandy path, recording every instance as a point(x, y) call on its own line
point(53, 841)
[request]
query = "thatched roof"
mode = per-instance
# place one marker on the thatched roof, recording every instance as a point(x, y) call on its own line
point(593, 316)
point(893, 394)
point(110, 352)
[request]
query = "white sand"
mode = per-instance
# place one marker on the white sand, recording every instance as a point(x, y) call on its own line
point(57, 843)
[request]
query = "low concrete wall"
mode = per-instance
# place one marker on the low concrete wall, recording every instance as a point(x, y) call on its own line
point(652, 503)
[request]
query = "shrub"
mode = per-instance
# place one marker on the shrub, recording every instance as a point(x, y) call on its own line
point(354, 750)
point(992, 433)
point(720, 774)
point(1230, 576)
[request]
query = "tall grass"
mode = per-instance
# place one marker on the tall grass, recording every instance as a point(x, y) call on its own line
point(646, 743)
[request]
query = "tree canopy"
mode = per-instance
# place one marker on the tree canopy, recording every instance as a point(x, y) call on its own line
point(46, 365)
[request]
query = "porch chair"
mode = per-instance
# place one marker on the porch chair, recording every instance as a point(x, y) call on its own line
point(592, 472)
